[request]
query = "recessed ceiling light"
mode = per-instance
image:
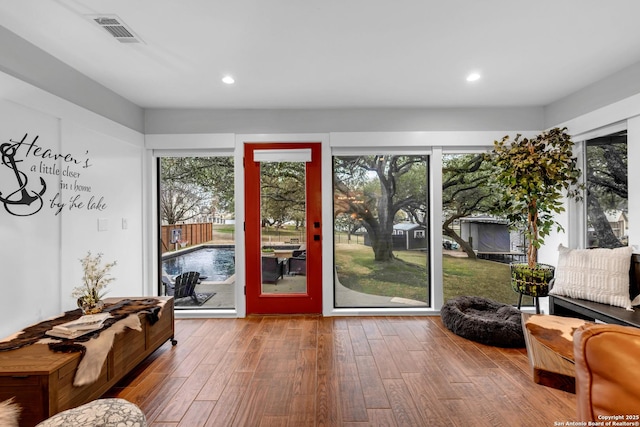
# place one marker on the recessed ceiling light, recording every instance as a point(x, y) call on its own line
point(228, 80)
point(473, 77)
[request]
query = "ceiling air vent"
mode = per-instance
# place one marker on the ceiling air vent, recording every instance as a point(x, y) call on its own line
point(114, 26)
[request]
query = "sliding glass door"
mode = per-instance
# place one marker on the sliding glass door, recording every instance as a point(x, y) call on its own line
point(197, 231)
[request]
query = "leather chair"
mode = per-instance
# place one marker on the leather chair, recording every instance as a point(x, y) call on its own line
point(607, 361)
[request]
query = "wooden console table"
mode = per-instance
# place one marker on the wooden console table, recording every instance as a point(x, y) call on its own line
point(41, 380)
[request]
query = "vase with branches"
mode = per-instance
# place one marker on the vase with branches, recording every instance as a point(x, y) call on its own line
point(95, 279)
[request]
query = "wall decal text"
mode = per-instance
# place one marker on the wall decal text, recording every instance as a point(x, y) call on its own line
point(21, 198)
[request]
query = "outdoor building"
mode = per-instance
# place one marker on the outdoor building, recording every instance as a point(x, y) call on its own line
point(619, 223)
point(406, 236)
point(486, 234)
point(410, 236)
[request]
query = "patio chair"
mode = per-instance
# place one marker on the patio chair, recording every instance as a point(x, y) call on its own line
point(183, 286)
point(272, 269)
point(297, 264)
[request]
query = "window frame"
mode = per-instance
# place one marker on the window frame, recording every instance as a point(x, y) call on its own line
point(580, 209)
point(577, 226)
point(154, 227)
point(435, 291)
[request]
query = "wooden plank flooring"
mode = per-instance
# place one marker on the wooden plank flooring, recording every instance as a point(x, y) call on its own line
point(358, 371)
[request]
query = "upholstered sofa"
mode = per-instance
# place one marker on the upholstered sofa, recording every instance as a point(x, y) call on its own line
point(607, 367)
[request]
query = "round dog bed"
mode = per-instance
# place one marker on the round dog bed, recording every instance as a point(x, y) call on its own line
point(484, 321)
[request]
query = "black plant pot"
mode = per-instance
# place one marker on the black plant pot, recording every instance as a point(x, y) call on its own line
point(531, 281)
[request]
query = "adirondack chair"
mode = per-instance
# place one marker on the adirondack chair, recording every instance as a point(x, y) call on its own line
point(184, 286)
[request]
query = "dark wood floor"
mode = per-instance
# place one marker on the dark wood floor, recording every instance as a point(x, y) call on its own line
point(314, 371)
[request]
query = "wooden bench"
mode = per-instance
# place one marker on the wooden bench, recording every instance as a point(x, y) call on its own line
point(589, 310)
point(41, 381)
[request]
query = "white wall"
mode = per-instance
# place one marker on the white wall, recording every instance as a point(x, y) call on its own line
point(115, 177)
point(30, 247)
point(31, 64)
point(601, 94)
point(271, 121)
point(87, 168)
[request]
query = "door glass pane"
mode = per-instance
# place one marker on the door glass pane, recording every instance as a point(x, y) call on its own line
point(283, 227)
point(381, 231)
point(607, 191)
point(197, 228)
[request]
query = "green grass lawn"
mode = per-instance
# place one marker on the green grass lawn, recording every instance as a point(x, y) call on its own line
point(269, 234)
point(489, 279)
point(357, 270)
point(406, 277)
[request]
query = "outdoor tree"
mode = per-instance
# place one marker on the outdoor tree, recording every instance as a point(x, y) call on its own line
point(465, 191)
point(282, 192)
point(192, 186)
point(182, 202)
point(607, 187)
point(373, 190)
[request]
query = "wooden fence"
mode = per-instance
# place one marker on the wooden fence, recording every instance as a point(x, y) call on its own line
point(183, 235)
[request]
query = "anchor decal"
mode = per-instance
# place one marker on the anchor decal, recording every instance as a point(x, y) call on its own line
point(21, 197)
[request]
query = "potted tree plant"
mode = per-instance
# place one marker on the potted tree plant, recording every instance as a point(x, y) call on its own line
point(534, 175)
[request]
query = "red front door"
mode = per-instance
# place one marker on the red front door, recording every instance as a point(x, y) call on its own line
point(283, 228)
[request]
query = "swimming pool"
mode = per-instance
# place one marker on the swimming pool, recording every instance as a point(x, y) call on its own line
point(216, 263)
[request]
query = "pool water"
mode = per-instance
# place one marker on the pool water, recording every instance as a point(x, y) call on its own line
point(215, 263)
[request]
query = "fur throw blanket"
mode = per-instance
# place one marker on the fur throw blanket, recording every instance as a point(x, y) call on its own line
point(9, 413)
point(97, 348)
point(119, 310)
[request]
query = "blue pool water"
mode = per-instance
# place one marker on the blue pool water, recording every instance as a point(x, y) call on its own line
point(215, 263)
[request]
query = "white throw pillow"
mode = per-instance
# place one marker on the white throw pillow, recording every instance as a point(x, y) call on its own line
point(600, 275)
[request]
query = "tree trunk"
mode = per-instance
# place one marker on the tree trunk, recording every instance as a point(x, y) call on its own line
point(464, 245)
point(601, 226)
point(383, 250)
point(532, 255)
point(532, 220)
point(380, 240)
point(382, 237)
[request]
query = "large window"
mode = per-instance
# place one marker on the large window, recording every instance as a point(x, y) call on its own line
point(197, 226)
point(606, 180)
point(381, 234)
point(478, 243)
